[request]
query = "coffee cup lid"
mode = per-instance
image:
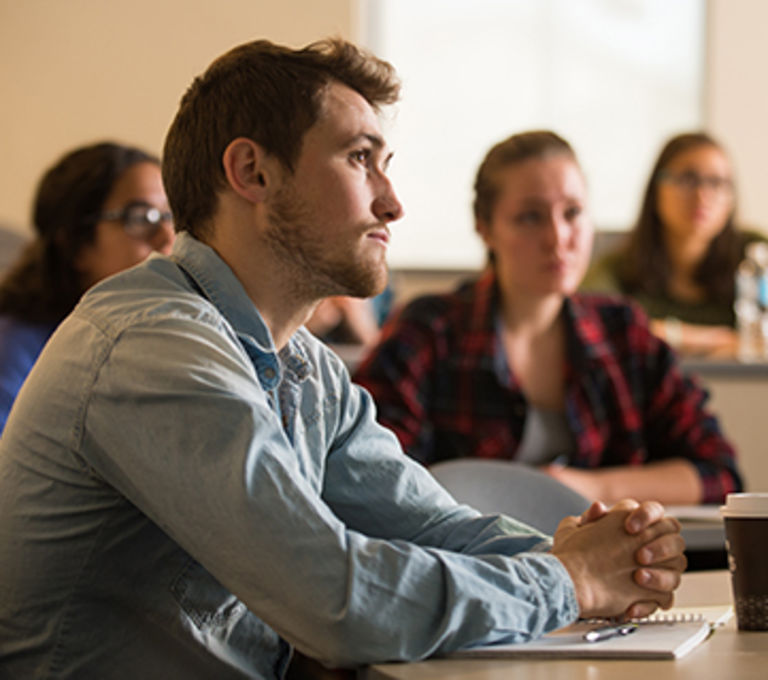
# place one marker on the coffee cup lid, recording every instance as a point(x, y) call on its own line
point(745, 505)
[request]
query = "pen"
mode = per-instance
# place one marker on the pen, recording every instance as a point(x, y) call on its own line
point(605, 632)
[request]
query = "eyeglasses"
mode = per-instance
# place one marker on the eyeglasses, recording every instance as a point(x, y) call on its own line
point(139, 220)
point(692, 181)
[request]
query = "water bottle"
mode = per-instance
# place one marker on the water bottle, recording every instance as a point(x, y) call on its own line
point(759, 253)
point(750, 276)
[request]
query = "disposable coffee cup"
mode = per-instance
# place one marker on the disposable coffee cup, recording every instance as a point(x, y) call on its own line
point(746, 539)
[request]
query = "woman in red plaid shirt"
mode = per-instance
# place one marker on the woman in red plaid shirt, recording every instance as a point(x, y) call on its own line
point(517, 365)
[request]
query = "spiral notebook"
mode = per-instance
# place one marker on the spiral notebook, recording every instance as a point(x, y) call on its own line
point(668, 635)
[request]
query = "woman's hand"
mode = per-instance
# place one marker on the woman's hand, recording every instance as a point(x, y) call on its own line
point(698, 340)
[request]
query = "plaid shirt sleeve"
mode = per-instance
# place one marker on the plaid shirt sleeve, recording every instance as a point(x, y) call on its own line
point(680, 425)
point(650, 410)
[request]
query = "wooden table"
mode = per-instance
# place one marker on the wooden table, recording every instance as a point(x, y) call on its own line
point(726, 655)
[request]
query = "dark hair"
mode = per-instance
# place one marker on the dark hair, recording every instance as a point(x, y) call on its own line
point(265, 92)
point(646, 267)
point(43, 285)
point(538, 144)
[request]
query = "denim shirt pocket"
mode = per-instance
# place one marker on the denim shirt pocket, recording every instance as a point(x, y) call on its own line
point(226, 627)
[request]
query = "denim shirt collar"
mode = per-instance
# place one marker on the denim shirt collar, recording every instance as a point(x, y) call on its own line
point(218, 283)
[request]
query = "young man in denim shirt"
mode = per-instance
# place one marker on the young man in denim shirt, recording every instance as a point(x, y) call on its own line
point(190, 486)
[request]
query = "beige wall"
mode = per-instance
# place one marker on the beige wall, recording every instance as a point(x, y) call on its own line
point(737, 96)
point(73, 71)
point(739, 402)
point(76, 71)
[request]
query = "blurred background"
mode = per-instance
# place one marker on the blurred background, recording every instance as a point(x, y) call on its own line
point(614, 76)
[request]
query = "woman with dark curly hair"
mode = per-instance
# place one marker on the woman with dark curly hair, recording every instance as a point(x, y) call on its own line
point(680, 259)
point(98, 210)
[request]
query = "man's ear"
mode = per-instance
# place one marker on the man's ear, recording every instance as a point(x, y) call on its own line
point(248, 169)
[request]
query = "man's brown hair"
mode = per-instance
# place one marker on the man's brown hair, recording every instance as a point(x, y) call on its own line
point(265, 92)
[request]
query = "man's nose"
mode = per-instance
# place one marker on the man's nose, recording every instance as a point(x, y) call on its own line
point(386, 206)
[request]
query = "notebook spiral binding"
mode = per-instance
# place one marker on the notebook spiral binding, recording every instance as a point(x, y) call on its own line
point(716, 616)
point(678, 617)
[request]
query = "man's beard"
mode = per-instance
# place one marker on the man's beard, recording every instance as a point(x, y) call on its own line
point(318, 268)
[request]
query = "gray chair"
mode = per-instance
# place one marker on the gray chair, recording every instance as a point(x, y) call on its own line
point(514, 489)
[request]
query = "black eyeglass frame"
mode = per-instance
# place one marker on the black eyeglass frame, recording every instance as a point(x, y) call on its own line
point(138, 219)
point(692, 181)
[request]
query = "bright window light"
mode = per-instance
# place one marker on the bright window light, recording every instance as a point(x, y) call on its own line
point(614, 77)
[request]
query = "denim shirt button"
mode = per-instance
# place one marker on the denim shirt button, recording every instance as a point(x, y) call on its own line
point(269, 373)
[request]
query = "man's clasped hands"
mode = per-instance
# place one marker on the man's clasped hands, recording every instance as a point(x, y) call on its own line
point(624, 561)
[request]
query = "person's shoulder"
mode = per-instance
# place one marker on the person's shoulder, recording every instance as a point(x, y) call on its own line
point(149, 293)
point(751, 235)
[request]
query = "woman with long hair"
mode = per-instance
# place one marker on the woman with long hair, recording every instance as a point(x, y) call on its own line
point(517, 365)
point(99, 209)
point(679, 261)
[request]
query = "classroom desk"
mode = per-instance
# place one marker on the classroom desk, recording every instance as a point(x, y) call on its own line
point(726, 654)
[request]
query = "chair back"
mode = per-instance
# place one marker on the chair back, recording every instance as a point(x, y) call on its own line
point(520, 491)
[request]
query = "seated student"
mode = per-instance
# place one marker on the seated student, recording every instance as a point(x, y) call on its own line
point(190, 484)
point(679, 261)
point(99, 209)
point(516, 365)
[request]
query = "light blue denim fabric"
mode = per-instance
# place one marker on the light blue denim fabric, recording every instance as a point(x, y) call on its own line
point(178, 500)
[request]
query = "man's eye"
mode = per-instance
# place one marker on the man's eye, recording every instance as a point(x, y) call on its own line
point(360, 155)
